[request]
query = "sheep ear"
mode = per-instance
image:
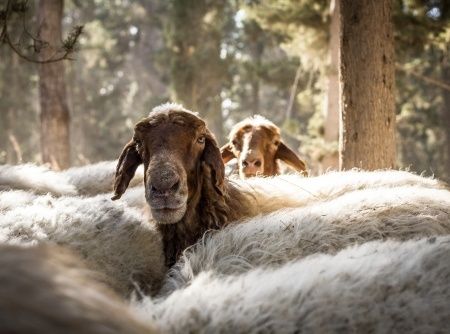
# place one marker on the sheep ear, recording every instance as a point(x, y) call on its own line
point(288, 156)
point(129, 161)
point(212, 157)
point(227, 153)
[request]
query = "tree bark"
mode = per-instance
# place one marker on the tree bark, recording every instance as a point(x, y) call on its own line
point(55, 144)
point(367, 69)
point(445, 73)
point(197, 71)
point(331, 124)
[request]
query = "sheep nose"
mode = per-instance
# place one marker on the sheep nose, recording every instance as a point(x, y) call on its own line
point(164, 186)
point(252, 166)
point(252, 163)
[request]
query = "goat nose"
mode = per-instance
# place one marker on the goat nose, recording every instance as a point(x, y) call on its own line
point(165, 186)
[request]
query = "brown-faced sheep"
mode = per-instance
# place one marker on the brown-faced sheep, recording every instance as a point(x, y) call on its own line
point(48, 290)
point(184, 179)
point(256, 144)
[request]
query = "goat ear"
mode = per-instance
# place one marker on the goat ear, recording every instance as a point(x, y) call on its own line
point(285, 154)
point(212, 157)
point(227, 153)
point(129, 161)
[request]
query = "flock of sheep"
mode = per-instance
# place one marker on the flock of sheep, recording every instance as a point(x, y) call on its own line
point(183, 248)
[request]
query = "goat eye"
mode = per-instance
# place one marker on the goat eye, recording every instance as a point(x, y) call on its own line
point(276, 142)
point(201, 140)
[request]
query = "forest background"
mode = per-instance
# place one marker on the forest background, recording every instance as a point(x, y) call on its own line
point(227, 60)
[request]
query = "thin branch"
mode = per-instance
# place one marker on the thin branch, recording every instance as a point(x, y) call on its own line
point(293, 92)
point(68, 46)
point(16, 147)
point(427, 79)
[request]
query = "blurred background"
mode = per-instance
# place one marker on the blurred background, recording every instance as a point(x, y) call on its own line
point(227, 60)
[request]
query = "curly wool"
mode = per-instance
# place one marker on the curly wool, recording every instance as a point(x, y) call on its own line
point(378, 287)
point(324, 227)
point(48, 290)
point(86, 180)
point(115, 239)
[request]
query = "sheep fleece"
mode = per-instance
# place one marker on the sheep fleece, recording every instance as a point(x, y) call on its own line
point(378, 287)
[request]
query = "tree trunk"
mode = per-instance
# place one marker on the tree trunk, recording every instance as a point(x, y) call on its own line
point(445, 73)
point(331, 126)
point(198, 72)
point(55, 145)
point(367, 105)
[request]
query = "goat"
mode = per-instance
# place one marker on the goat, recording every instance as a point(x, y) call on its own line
point(86, 180)
point(378, 287)
point(48, 290)
point(185, 185)
point(325, 227)
point(256, 144)
point(112, 238)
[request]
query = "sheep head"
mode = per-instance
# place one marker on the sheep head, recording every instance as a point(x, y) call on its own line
point(256, 144)
point(176, 148)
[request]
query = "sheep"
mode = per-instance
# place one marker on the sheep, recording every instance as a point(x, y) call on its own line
point(256, 144)
point(86, 180)
point(186, 188)
point(36, 178)
point(377, 287)
point(113, 238)
point(288, 188)
point(325, 227)
point(75, 222)
point(48, 290)
point(97, 178)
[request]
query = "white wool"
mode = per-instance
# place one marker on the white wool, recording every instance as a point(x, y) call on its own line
point(48, 290)
point(379, 287)
point(36, 178)
point(115, 239)
point(98, 178)
point(356, 217)
point(86, 180)
point(274, 193)
point(269, 194)
point(15, 198)
point(170, 106)
point(255, 121)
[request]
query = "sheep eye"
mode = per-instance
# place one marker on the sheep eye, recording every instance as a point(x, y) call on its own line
point(234, 142)
point(201, 140)
point(276, 142)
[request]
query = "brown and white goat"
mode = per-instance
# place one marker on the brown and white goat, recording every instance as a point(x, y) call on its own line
point(46, 289)
point(256, 144)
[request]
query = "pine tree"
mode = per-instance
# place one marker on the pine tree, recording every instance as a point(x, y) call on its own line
point(367, 72)
point(55, 119)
